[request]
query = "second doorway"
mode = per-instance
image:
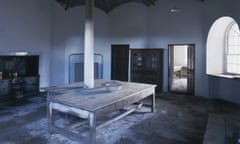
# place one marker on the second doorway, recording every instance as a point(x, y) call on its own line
point(181, 68)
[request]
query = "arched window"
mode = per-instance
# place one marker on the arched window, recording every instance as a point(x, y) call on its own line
point(232, 57)
point(223, 49)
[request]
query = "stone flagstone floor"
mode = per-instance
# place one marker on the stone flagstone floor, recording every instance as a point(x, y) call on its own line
point(178, 119)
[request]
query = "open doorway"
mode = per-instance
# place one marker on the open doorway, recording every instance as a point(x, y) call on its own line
point(181, 68)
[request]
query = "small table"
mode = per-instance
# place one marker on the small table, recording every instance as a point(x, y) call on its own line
point(90, 104)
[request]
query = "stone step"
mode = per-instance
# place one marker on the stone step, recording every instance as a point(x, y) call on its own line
point(215, 131)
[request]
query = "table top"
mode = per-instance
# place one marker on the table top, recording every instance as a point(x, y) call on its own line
point(95, 98)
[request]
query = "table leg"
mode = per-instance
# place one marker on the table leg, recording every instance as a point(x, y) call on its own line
point(153, 102)
point(50, 117)
point(92, 123)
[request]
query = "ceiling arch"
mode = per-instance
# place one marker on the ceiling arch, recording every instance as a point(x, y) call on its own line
point(105, 5)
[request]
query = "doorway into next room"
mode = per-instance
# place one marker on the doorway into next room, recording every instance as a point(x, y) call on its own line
point(181, 68)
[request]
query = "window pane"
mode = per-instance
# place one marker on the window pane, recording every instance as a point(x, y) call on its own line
point(230, 40)
point(238, 70)
point(238, 60)
point(235, 34)
point(235, 40)
point(233, 50)
point(231, 33)
point(237, 49)
point(230, 49)
point(234, 59)
point(229, 59)
point(234, 68)
point(229, 68)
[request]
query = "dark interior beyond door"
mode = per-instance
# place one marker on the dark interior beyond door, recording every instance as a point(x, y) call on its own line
point(120, 62)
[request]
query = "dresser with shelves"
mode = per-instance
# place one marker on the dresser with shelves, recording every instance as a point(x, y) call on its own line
point(15, 87)
point(147, 66)
point(19, 75)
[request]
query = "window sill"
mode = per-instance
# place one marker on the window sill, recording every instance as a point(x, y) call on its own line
point(229, 76)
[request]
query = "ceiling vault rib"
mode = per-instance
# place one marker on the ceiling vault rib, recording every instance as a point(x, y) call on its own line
point(67, 4)
point(105, 5)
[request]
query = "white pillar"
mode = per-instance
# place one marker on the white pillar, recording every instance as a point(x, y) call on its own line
point(89, 45)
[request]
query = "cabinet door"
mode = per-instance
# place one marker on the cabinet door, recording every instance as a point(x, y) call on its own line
point(4, 87)
point(137, 59)
point(146, 66)
point(31, 84)
point(151, 59)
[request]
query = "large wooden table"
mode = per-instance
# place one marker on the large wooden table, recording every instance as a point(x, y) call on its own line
point(90, 104)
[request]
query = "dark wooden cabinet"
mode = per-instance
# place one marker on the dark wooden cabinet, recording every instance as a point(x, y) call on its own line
point(19, 86)
point(147, 66)
point(19, 75)
point(16, 87)
point(4, 87)
point(22, 86)
point(31, 84)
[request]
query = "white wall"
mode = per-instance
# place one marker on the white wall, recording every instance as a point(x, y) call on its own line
point(25, 26)
point(67, 38)
point(180, 55)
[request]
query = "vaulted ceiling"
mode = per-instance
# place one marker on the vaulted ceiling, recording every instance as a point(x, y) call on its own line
point(105, 5)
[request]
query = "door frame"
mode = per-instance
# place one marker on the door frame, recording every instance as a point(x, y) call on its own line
point(190, 67)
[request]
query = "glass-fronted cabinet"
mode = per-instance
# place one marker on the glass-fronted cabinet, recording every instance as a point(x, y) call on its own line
point(151, 61)
point(146, 66)
point(138, 59)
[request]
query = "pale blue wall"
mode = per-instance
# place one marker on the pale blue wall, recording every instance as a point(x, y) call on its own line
point(184, 27)
point(44, 28)
point(25, 26)
point(128, 24)
point(67, 38)
point(134, 24)
point(156, 27)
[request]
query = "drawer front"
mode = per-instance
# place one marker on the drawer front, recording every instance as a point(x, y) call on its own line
point(4, 91)
point(4, 87)
point(31, 84)
point(31, 80)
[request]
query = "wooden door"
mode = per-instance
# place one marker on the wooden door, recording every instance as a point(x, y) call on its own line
point(170, 66)
point(120, 62)
point(191, 68)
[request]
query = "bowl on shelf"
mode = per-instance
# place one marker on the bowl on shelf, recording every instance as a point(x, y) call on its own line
point(112, 86)
point(14, 74)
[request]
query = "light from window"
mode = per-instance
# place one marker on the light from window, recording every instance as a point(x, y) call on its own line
point(233, 50)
